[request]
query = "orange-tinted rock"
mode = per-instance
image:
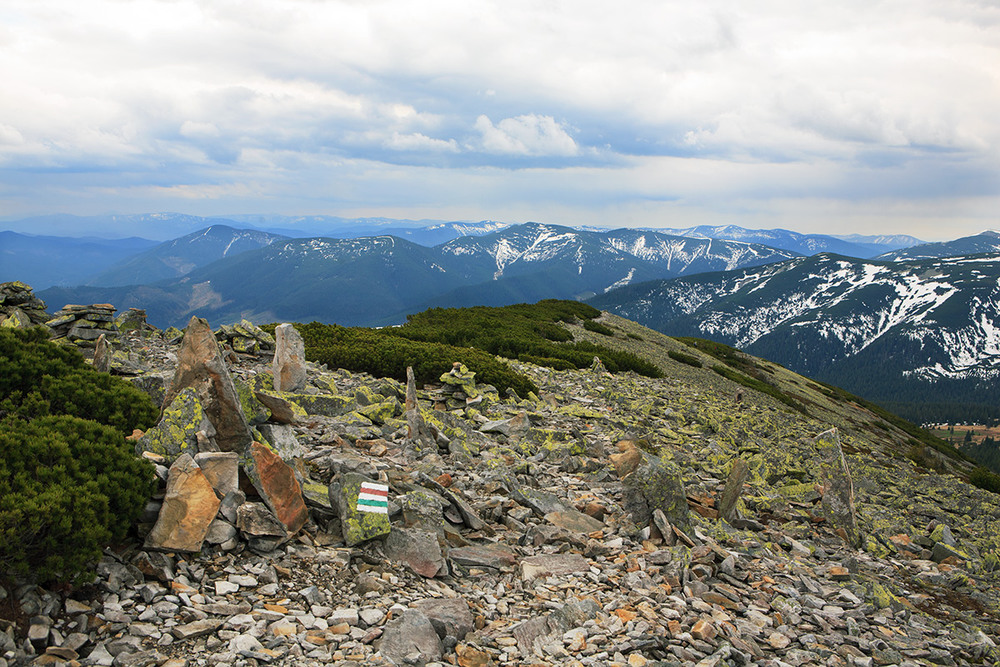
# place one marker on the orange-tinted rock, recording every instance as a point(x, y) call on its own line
point(275, 481)
point(189, 507)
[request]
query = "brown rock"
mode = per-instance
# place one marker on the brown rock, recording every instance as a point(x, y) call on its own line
point(289, 364)
point(275, 481)
point(627, 459)
point(102, 355)
point(200, 366)
point(189, 507)
point(472, 657)
point(703, 630)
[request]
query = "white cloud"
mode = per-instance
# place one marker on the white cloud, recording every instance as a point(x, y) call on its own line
point(708, 103)
point(529, 134)
point(418, 142)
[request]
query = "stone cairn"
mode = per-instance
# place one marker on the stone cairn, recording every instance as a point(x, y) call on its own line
point(19, 307)
point(83, 325)
point(202, 446)
point(245, 338)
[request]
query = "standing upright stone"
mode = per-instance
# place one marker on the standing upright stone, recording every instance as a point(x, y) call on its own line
point(289, 364)
point(417, 433)
point(200, 366)
point(102, 355)
point(734, 487)
point(838, 486)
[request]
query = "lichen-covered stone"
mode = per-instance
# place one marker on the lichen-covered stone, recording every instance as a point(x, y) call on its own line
point(200, 366)
point(838, 496)
point(356, 527)
point(177, 431)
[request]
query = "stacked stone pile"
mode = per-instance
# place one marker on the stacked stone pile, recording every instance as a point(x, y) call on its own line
point(19, 307)
point(610, 521)
point(83, 324)
point(245, 338)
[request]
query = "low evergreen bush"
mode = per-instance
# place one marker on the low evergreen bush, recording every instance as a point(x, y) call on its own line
point(68, 486)
point(69, 481)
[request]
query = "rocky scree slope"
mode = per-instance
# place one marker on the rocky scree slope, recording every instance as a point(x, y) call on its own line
point(609, 520)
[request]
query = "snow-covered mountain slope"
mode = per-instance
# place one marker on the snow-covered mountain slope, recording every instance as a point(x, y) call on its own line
point(842, 319)
point(605, 260)
point(855, 245)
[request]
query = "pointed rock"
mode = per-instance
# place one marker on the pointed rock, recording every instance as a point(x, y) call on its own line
point(189, 507)
point(201, 367)
point(275, 481)
point(289, 364)
point(734, 487)
point(656, 484)
point(838, 496)
point(102, 355)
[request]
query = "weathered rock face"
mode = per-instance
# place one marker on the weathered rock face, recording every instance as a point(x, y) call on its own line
point(19, 305)
point(289, 365)
point(200, 366)
point(838, 496)
point(179, 427)
point(276, 483)
point(188, 509)
point(656, 484)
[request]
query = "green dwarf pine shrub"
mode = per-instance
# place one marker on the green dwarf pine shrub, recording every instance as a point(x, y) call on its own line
point(69, 481)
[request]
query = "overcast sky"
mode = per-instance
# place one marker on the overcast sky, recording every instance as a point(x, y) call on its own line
point(855, 116)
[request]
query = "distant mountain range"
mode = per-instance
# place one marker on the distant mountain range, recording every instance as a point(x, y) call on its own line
point(855, 245)
point(921, 337)
point(377, 280)
point(181, 256)
point(43, 261)
point(985, 242)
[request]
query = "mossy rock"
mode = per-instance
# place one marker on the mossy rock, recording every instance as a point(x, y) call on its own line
point(356, 527)
point(176, 432)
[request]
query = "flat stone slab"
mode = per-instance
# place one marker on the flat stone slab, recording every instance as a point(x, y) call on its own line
point(552, 565)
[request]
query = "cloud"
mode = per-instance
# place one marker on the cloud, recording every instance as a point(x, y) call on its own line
point(510, 106)
point(528, 134)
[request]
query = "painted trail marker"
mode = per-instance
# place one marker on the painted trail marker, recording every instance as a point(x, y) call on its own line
point(373, 498)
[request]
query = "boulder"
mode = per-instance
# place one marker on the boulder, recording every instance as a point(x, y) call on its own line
point(359, 522)
point(734, 487)
point(189, 507)
point(656, 483)
point(451, 617)
point(418, 549)
point(177, 431)
point(289, 364)
point(411, 639)
point(221, 469)
point(275, 481)
point(200, 366)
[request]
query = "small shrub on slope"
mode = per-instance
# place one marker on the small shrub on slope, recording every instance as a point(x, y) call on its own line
point(69, 481)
